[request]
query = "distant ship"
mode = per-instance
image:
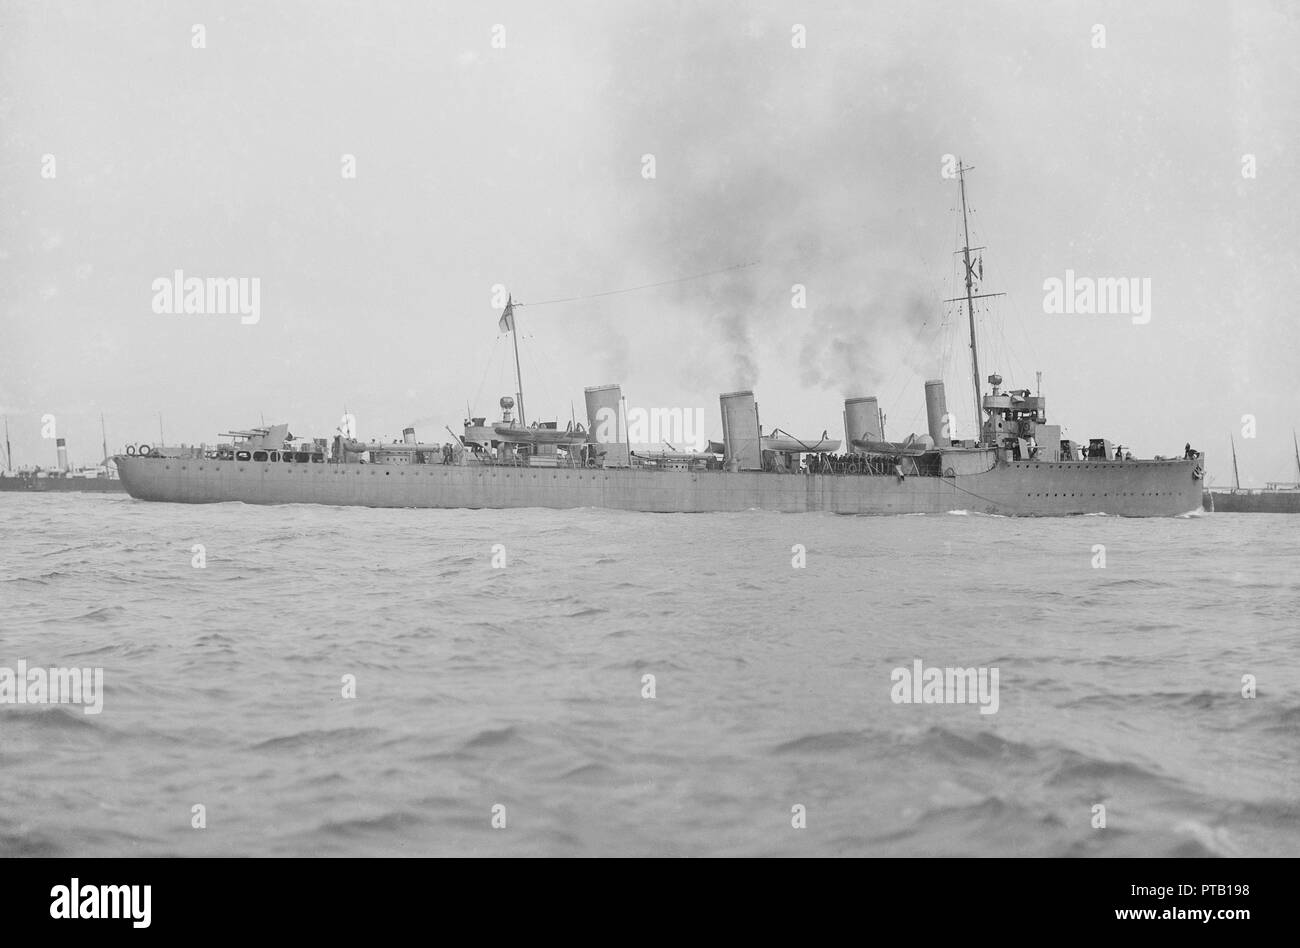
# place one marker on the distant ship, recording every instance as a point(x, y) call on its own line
point(63, 479)
point(53, 482)
point(1275, 497)
point(1018, 466)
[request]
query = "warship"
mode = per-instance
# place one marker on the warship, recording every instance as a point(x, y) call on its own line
point(1274, 497)
point(1018, 465)
point(63, 478)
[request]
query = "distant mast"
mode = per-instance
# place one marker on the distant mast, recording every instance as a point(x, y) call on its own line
point(9, 458)
point(103, 432)
point(1297, 455)
point(970, 298)
point(1236, 481)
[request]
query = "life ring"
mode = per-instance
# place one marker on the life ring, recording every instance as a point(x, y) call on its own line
point(130, 450)
point(144, 450)
point(1197, 472)
point(949, 472)
point(591, 462)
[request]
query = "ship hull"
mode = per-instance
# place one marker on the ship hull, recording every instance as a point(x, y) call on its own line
point(1135, 488)
point(1262, 502)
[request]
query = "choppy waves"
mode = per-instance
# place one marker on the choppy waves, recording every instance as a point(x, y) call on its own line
point(645, 685)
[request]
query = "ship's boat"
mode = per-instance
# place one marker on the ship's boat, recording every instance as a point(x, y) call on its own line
point(912, 447)
point(517, 435)
point(779, 440)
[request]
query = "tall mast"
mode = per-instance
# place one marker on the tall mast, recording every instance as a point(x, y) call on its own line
point(970, 299)
point(519, 381)
point(970, 304)
point(1297, 452)
point(9, 458)
point(104, 434)
point(1236, 481)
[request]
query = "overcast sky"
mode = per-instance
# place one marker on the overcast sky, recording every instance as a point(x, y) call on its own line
point(523, 166)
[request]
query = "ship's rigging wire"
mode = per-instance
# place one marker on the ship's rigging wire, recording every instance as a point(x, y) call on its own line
point(945, 322)
point(905, 363)
point(644, 286)
point(917, 338)
point(487, 367)
point(939, 337)
point(538, 374)
point(591, 296)
point(992, 332)
point(505, 377)
point(1015, 308)
point(987, 500)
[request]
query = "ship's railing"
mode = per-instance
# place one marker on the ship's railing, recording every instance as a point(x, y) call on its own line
point(870, 465)
point(848, 465)
point(832, 466)
point(486, 460)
